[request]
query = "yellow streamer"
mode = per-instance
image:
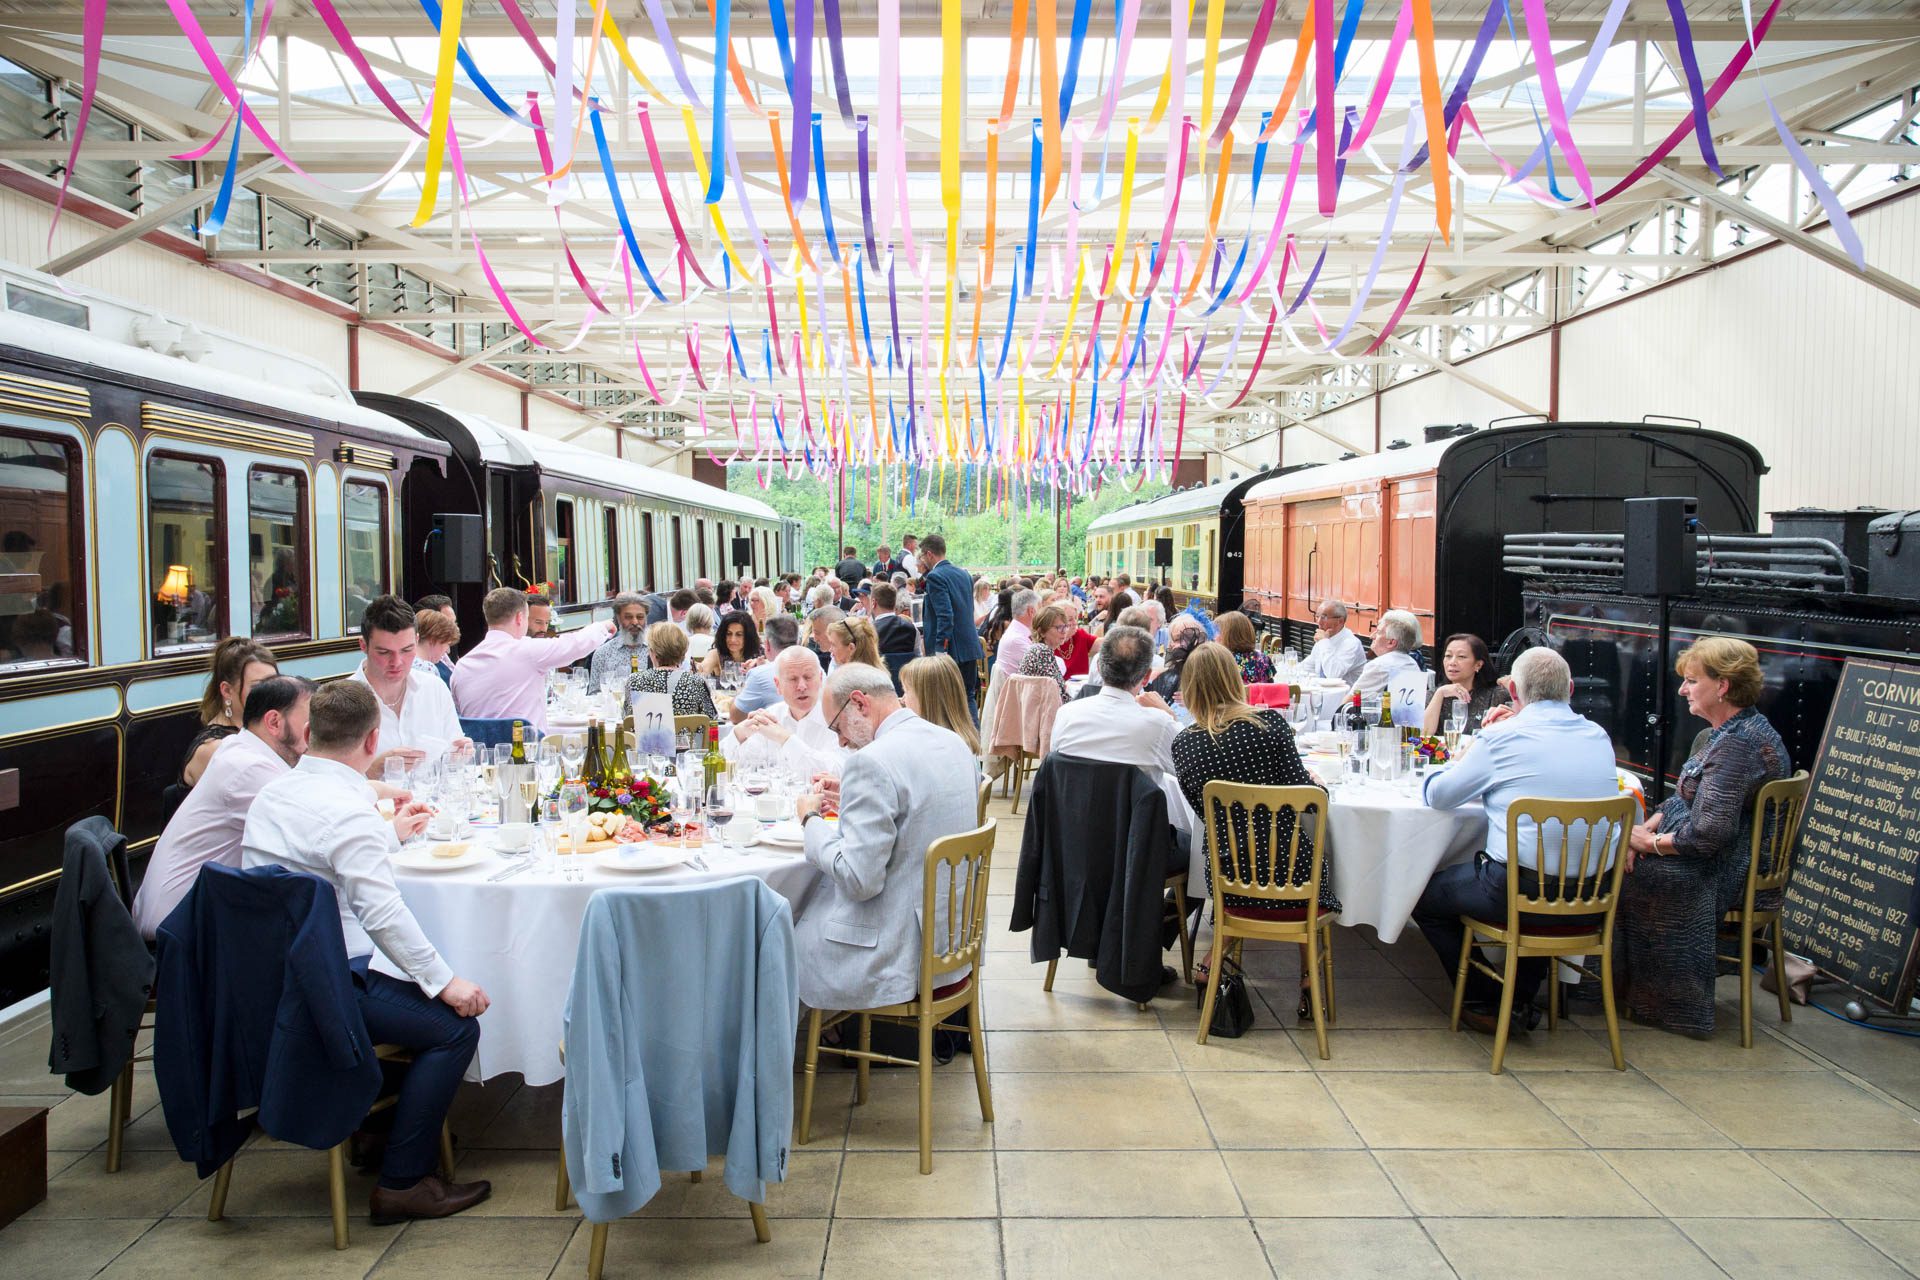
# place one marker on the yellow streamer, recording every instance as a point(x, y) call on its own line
point(1073, 307)
point(1126, 203)
point(713, 210)
point(953, 93)
point(1166, 82)
point(1216, 17)
point(442, 106)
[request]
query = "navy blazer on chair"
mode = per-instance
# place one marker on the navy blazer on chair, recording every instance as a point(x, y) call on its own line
point(257, 1009)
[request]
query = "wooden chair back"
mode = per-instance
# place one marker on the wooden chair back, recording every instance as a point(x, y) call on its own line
point(953, 914)
point(1582, 847)
point(1776, 820)
point(1294, 866)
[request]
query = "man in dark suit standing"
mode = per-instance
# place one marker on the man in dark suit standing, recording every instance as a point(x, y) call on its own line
point(850, 570)
point(906, 559)
point(947, 614)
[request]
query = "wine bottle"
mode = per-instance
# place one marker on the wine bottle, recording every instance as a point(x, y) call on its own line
point(713, 763)
point(633, 665)
point(619, 777)
point(519, 755)
point(593, 770)
point(1356, 720)
point(1386, 708)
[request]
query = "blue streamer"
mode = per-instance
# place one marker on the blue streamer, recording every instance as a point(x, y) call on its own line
point(820, 176)
point(480, 82)
point(717, 169)
point(217, 216)
point(866, 329)
point(1082, 11)
point(619, 200)
point(1033, 207)
point(1013, 297)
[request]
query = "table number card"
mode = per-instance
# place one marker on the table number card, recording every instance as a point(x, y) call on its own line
point(653, 723)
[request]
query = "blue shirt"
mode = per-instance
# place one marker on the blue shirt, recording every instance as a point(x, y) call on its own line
point(758, 691)
point(1545, 752)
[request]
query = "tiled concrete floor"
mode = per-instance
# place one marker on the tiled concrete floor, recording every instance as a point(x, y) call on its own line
point(1122, 1148)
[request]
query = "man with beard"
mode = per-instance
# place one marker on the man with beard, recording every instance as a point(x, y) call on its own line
point(612, 663)
point(907, 783)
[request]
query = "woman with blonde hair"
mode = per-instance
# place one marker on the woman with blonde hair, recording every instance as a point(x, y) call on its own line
point(1230, 741)
point(238, 664)
point(1687, 864)
point(667, 649)
point(763, 604)
point(931, 688)
point(853, 639)
point(700, 625)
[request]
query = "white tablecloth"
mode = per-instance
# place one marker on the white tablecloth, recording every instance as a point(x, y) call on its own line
point(517, 939)
point(1385, 845)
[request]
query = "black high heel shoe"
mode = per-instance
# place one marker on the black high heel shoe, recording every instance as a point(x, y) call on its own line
point(1305, 1011)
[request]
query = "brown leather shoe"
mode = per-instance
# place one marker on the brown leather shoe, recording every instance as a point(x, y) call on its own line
point(431, 1197)
point(1478, 1020)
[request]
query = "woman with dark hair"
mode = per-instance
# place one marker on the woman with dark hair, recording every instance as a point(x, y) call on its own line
point(1240, 639)
point(737, 641)
point(238, 664)
point(1469, 671)
point(997, 623)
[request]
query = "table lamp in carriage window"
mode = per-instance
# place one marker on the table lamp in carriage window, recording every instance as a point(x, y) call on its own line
point(173, 593)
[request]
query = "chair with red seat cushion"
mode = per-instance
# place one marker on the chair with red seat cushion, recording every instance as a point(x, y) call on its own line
point(1295, 915)
point(1269, 695)
point(1556, 920)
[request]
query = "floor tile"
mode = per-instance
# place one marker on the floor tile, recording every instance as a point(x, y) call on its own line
point(1710, 1184)
point(1512, 1184)
point(1314, 1184)
point(1766, 1248)
point(65, 1250)
point(1052, 1249)
point(1793, 1109)
point(1116, 1184)
point(1569, 1048)
point(865, 1248)
point(889, 1120)
point(1898, 1240)
point(256, 1248)
point(1259, 1050)
point(1650, 1049)
point(1467, 1110)
point(719, 1247)
point(529, 1120)
point(280, 1184)
point(1351, 1248)
point(1289, 1111)
point(1883, 1060)
point(79, 1123)
point(148, 1185)
point(496, 1249)
point(1096, 1111)
point(1081, 1051)
point(812, 1177)
point(1568, 1248)
point(889, 1184)
point(1361, 1004)
point(1621, 1109)
point(1393, 1050)
point(1018, 1004)
point(1852, 1184)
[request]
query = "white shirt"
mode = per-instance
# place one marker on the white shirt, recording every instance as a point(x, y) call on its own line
point(426, 721)
point(320, 818)
point(1336, 657)
point(810, 748)
point(1390, 668)
point(1112, 727)
point(207, 825)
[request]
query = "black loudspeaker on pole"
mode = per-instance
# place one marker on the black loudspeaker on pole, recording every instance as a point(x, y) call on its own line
point(1163, 553)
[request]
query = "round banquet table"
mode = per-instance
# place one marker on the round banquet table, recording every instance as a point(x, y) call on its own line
point(517, 938)
point(1385, 844)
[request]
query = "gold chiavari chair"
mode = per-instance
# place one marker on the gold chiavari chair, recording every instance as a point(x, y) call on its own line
point(1557, 920)
point(337, 1161)
point(1295, 914)
point(691, 730)
point(957, 871)
point(1776, 820)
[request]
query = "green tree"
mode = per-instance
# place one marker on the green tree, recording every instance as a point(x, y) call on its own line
point(975, 538)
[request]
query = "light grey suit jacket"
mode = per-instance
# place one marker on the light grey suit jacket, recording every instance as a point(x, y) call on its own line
point(858, 937)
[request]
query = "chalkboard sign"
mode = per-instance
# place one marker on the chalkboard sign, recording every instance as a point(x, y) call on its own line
point(1850, 906)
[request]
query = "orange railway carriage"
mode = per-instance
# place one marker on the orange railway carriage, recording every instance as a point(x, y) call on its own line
point(1419, 527)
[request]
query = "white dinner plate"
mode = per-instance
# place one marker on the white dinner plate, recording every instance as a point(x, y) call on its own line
point(644, 857)
point(784, 833)
point(418, 856)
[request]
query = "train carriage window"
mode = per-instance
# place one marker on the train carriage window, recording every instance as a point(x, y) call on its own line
point(560, 553)
point(40, 611)
point(363, 517)
point(613, 550)
point(674, 575)
point(700, 544)
point(186, 550)
point(277, 552)
point(646, 550)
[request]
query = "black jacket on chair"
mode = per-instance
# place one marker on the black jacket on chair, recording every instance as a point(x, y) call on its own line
point(99, 968)
point(258, 1009)
point(1093, 868)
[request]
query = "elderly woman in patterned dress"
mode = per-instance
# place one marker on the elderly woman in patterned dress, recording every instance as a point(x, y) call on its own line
point(1687, 864)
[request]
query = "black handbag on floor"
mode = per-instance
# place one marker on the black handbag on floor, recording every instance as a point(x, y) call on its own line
point(1232, 1004)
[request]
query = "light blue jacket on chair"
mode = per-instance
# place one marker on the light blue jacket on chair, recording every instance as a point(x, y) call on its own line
point(679, 1040)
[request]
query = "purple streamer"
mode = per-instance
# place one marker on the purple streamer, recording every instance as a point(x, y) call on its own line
point(802, 98)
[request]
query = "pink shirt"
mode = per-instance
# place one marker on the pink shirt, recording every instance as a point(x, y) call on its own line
point(504, 678)
point(207, 825)
point(1014, 643)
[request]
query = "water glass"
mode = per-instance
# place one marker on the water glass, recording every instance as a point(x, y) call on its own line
point(1383, 745)
point(573, 753)
point(547, 840)
point(394, 772)
point(573, 812)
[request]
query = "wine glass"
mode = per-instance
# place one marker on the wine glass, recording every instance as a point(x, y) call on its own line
point(573, 812)
point(720, 808)
point(1456, 725)
point(573, 753)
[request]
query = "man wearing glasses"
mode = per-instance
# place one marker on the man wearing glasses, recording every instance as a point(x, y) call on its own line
point(1337, 654)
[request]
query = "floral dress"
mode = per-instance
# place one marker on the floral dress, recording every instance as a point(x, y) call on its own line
point(1671, 905)
point(1255, 667)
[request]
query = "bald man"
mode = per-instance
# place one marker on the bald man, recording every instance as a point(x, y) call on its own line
point(793, 734)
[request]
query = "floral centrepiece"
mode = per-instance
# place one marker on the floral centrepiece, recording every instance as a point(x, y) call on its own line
point(1433, 750)
point(642, 804)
